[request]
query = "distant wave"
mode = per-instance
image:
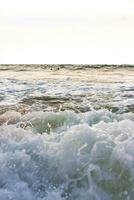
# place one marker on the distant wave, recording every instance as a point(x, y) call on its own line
point(31, 67)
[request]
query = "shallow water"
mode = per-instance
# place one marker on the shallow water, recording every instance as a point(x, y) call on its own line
point(66, 137)
point(78, 90)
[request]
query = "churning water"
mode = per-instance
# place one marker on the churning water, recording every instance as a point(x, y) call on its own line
point(66, 139)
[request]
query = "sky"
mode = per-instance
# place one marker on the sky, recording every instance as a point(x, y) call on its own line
point(67, 32)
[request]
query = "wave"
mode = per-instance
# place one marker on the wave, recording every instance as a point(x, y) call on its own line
point(67, 156)
point(65, 95)
point(33, 67)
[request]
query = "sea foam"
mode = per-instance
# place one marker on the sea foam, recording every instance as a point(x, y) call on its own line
point(67, 156)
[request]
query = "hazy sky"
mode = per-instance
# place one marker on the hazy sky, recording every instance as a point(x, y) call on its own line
point(71, 31)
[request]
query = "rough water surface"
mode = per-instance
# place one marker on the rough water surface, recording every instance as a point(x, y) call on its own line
point(67, 138)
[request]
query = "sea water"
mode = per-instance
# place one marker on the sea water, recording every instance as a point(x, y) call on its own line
point(66, 139)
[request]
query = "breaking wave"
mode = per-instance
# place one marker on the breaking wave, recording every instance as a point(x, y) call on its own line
point(67, 156)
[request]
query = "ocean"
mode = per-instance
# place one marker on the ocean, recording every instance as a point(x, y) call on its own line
point(66, 132)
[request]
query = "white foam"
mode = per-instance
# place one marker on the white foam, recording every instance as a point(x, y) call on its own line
point(90, 158)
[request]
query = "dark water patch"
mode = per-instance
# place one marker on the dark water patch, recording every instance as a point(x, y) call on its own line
point(130, 96)
point(46, 103)
point(130, 108)
point(111, 108)
point(128, 90)
point(1, 98)
point(45, 99)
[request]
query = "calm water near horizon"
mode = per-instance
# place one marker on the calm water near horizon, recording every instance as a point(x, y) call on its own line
point(66, 132)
